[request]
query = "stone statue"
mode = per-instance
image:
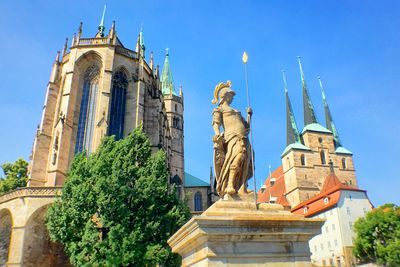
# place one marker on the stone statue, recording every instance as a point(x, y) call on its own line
point(232, 158)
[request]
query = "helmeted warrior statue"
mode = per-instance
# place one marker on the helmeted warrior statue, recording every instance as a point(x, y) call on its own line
point(232, 158)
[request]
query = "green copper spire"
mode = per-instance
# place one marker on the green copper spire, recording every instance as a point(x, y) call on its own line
point(292, 133)
point(328, 117)
point(101, 27)
point(309, 114)
point(167, 81)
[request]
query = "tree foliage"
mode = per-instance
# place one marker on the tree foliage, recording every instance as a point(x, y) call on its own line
point(16, 175)
point(378, 236)
point(116, 208)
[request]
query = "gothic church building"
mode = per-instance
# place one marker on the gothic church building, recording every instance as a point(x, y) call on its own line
point(97, 87)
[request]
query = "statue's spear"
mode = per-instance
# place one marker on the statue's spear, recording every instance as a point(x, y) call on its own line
point(244, 59)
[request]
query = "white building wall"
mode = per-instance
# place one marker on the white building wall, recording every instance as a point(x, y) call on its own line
point(327, 245)
point(351, 206)
point(337, 233)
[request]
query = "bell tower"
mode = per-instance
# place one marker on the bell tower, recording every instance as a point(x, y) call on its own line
point(306, 158)
point(174, 109)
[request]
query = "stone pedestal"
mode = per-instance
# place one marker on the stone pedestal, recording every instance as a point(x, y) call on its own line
point(232, 232)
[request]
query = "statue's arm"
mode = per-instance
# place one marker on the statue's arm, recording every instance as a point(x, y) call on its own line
point(216, 122)
point(249, 111)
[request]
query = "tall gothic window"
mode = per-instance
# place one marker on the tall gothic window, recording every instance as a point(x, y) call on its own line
point(87, 111)
point(117, 109)
point(323, 160)
point(198, 202)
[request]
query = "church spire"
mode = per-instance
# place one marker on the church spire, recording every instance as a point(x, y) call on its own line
point(292, 133)
point(101, 27)
point(309, 114)
point(328, 116)
point(167, 81)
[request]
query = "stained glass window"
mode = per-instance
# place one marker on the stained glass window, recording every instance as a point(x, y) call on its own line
point(117, 106)
point(87, 111)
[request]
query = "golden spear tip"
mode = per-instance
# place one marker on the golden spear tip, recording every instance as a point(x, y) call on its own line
point(245, 57)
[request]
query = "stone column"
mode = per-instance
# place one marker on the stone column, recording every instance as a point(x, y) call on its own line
point(16, 246)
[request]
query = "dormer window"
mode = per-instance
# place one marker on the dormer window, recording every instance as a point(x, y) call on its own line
point(326, 200)
point(305, 210)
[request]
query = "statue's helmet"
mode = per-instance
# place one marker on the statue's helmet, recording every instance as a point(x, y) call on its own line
point(221, 90)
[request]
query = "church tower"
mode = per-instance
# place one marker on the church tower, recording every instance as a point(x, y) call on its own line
point(305, 160)
point(98, 87)
point(174, 109)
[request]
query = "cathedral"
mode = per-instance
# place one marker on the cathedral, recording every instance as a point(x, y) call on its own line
point(97, 87)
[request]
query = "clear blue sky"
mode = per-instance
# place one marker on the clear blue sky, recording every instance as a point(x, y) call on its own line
point(353, 45)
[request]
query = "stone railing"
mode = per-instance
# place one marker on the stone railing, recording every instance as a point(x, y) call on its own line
point(125, 52)
point(93, 41)
point(31, 191)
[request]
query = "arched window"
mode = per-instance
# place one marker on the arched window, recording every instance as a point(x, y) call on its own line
point(198, 202)
point(87, 111)
point(323, 160)
point(303, 160)
point(117, 106)
point(343, 163)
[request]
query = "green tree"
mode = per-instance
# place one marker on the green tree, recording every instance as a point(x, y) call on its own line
point(16, 175)
point(116, 208)
point(378, 236)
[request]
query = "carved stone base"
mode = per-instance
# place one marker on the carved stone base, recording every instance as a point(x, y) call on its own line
point(232, 232)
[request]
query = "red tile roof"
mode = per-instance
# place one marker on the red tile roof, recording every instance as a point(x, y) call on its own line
point(331, 190)
point(277, 190)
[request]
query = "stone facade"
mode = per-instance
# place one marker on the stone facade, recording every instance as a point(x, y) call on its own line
point(98, 63)
point(305, 171)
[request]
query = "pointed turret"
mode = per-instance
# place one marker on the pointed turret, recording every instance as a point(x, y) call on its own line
point(328, 116)
point(57, 57)
point(101, 27)
point(137, 48)
point(111, 33)
point(151, 60)
point(309, 114)
point(180, 91)
point(65, 48)
point(158, 70)
point(55, 68)
point(73, 41)
point(140, 43)
point(167, 81)
point(292, 133)
point(80, 30)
